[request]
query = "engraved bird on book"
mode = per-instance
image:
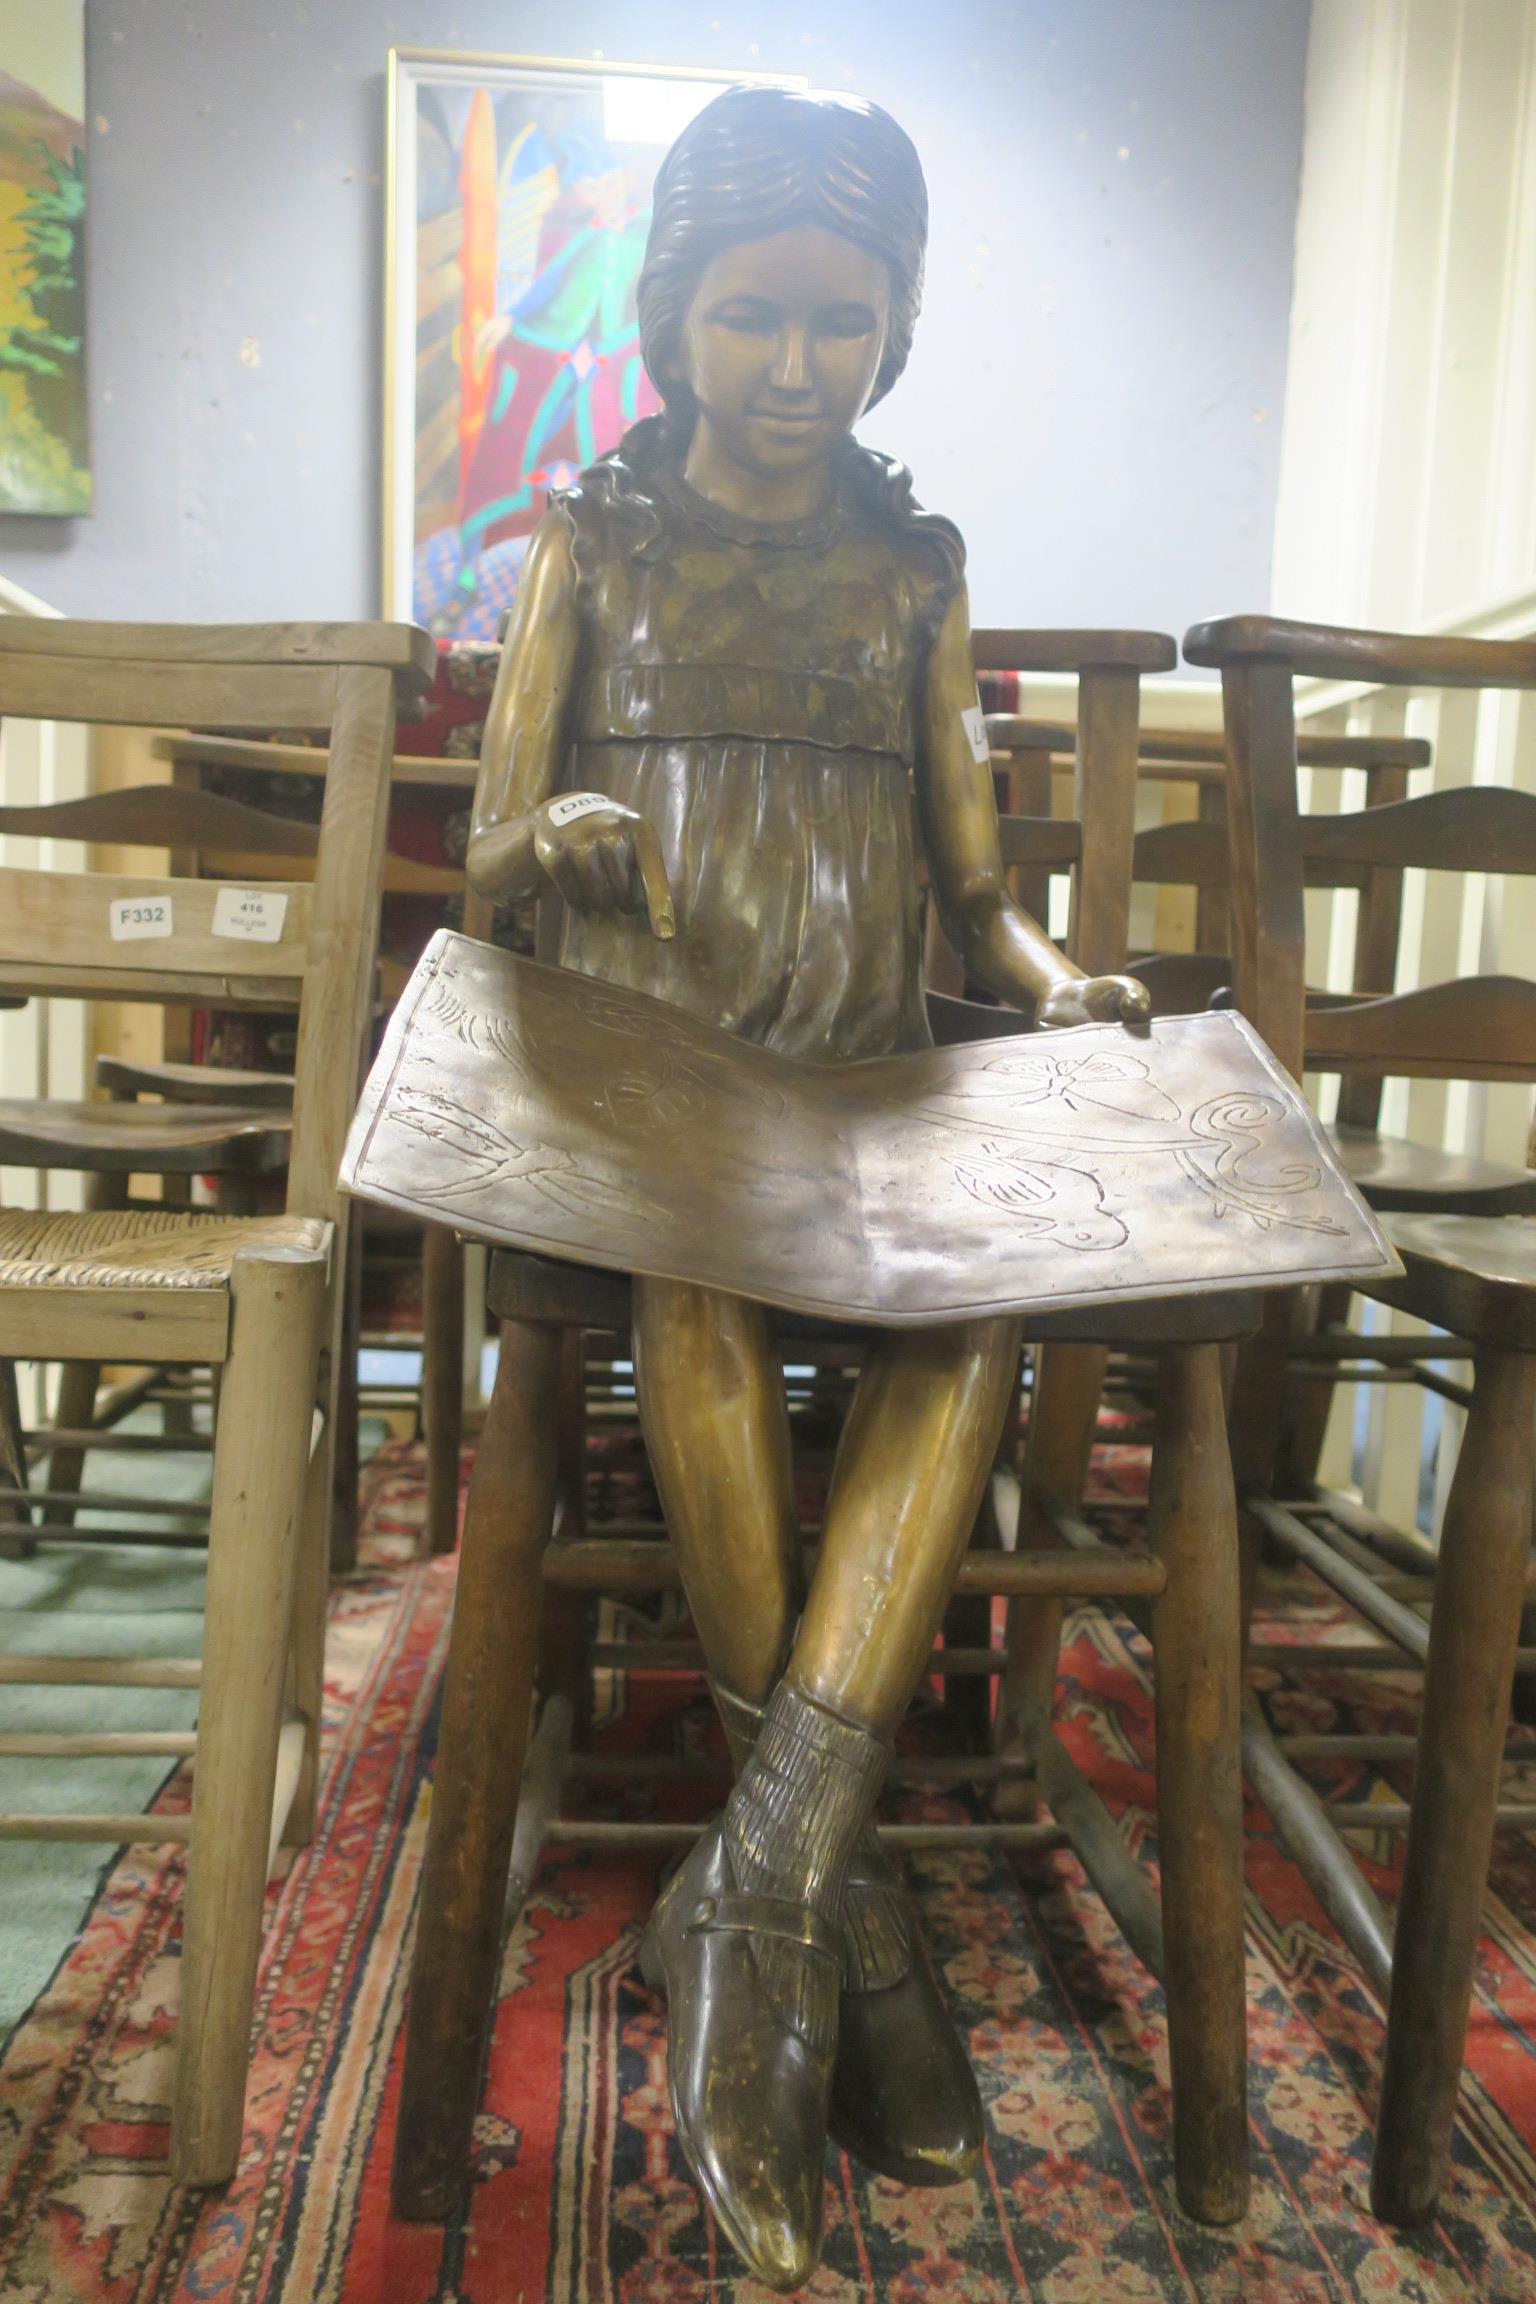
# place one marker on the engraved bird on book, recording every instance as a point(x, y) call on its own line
point(1064, 1204)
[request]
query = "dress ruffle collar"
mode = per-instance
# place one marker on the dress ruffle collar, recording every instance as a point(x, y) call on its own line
point(812, 534)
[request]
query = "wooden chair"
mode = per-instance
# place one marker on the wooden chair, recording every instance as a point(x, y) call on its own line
point(527, 1567)
point(214, 1120)
point(1470, 1274)
point(257, 1297)
point(272, 762)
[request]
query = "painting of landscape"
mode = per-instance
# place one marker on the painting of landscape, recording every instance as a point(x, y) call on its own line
point(44, 442)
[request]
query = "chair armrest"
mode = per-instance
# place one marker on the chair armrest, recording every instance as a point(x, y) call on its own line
point(1383, 659)
point(997, 650)
point(400, 648)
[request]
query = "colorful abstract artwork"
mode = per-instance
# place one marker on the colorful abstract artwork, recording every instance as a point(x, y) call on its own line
point(44, 441)
point(520, 199)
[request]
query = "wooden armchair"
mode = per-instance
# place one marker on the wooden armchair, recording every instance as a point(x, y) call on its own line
point(1471, 1274)
point(528, 1567)
point(258, 1297)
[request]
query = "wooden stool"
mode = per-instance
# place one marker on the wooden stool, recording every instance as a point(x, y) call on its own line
point(526, 1567)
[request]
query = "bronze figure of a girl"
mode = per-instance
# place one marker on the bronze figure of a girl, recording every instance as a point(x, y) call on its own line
point(736, 694)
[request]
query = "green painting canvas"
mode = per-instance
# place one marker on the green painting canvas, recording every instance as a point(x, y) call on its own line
point(44, 441)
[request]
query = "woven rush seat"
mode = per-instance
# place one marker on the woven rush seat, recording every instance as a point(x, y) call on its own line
point(140, 1247)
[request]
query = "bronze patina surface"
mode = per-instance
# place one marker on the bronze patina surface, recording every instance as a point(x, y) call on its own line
point(536, 1108)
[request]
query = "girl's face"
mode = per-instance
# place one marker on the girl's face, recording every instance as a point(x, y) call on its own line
point(782, 345)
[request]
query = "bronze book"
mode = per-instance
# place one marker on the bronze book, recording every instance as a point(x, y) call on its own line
point(536, 1108)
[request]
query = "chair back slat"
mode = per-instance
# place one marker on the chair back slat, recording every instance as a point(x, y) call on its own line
point(1048, 843)
point(1477, 1028)
point(1206, 747)
point(102, 923)
point(1193, 854)
point(1475, 828)
point(151, 695)
point(1183, 983)
point(1190, 854)
point(1481, 1028)
point(164, 816)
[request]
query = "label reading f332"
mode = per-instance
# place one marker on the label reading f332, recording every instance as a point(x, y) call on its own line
point(132, 917)
point(250, 915)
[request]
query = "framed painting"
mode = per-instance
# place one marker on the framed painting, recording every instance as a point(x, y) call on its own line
point(44, 439)
point(519, 200)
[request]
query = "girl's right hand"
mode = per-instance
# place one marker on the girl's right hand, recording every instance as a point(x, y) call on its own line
point(604, 857)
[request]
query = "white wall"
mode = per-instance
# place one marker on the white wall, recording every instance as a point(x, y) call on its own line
point(1408, 464)
point(1408, 502)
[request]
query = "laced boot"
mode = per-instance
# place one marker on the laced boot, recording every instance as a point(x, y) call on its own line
point(746, 1944)
point(904, 2097)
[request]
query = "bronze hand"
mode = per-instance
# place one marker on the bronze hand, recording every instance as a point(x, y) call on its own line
point(1095, 1000)
point(605, 859)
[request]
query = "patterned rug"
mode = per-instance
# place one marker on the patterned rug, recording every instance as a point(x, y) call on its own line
point(578, 2194)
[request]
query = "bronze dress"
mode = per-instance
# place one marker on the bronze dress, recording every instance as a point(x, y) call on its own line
point(752, 689)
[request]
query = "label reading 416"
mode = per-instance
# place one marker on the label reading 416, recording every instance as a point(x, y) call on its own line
point(250, 915)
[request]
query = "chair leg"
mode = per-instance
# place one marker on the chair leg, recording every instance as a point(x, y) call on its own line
point(1308, 1400)
point(565, 1639)
point(487, 1704)
point(1198, 1696)
point(343, 1407)
point(442, 1380)
point(13, 1460)
point(306, 1663)
point(1479, 1588)
point(1063, 1416)
point(1255, 1410)
point(78, 1383)
point(968, 1624)
point(260, 1474)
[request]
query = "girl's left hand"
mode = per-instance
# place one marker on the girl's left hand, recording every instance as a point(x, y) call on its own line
point(1095, 1000)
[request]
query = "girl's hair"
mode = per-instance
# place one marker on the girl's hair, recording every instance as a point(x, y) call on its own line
point(759, 160)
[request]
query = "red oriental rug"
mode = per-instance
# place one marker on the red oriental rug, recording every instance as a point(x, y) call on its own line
point(578, 2195)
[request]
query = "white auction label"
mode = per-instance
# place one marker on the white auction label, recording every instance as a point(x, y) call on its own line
point(974, 722)
point(250, 915)
point(130, 917)
point(574, 804)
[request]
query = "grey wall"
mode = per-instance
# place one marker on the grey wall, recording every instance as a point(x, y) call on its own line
point(1095, 394)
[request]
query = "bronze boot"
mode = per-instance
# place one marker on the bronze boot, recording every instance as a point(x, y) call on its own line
point(904, 2097)
point(747, 1942)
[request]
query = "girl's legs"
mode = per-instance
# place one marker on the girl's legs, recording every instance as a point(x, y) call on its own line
point(915, 1458)
point(717, 1432)
point(753, 1988)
